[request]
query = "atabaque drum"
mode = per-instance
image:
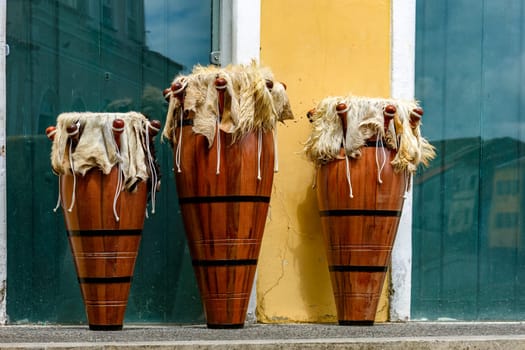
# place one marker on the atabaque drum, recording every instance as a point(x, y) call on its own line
point(224, 179)
point(107, 170)
point(360, 194)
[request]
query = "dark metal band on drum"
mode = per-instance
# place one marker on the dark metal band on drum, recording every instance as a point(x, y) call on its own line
point(185, 122)
point(223, 199)
point(210, 263)
point(357, 268)
point(105, 280)
point(99, 233)
point(359, 212)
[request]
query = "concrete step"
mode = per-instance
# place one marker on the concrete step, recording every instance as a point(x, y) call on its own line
point(411, 335)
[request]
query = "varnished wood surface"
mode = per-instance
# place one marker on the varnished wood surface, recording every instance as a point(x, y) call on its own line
point(224, 216)
point(104, 249)
point(359, 232)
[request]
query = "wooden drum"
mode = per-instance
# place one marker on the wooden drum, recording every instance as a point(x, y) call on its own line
point(360, 199)
point(359, 232)
point(224, 216)
point(104, 201)
point(224, 193)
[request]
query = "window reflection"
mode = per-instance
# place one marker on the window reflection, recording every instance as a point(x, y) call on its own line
point(187, 24)
point(470, 203)
point(107, 13)
point(96, 55)
point(104, 53)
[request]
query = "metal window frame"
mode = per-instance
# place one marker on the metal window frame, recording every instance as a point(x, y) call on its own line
point(4, 51)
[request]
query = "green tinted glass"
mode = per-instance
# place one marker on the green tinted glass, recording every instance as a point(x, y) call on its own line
point(96, 55)
point(468, 233)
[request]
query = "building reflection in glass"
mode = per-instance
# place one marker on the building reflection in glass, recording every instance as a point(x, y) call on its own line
point(96, 55)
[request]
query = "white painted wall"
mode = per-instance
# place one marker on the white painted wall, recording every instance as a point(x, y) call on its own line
point(403, 80)
point(246, 30)
point(3, 229)
point(240, 31)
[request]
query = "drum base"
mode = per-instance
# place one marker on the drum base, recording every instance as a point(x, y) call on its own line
point(104, 327)
point(225, 326)
point(355, 323)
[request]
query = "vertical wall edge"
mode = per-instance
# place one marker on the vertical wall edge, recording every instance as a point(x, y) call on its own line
point(3, 228)
point(402, 86)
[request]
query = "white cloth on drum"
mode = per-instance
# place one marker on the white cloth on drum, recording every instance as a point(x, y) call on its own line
point(365, 121)
point(97, 148)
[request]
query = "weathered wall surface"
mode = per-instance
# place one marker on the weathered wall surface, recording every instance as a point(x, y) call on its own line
point(318, 49)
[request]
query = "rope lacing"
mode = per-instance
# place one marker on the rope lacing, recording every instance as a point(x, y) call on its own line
point(342, 113)
point(348, 178)
point(218, 134)
point(259, 154)
point(120, 174)
point(178, 151)
point(118, 191)
point(218, 137)
point(183, 84)
point(153, 171)
point(61, 157)
point(72, 165)
point(379, 140)
point(179, 144)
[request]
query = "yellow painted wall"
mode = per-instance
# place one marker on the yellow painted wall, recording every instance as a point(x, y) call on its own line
point(318, 48)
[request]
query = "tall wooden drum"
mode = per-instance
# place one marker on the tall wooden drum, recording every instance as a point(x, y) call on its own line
point(224, 216)
point(359, 232)
point(106, 169)
point(224, 190)
point(360, 194)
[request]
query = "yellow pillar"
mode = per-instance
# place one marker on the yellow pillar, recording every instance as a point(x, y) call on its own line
point(318, 49)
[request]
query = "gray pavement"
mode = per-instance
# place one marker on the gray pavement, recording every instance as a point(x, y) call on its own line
point(411, 335)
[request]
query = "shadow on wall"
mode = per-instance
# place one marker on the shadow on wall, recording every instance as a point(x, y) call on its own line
point(310, 259)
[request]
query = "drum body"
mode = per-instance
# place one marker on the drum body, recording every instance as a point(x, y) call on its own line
point(224, 216)
point(359, 232)
point(104, 249)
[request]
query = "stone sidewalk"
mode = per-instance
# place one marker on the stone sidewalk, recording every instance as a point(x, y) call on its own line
point(411, 335)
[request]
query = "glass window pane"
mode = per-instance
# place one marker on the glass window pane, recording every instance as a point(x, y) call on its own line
point(100, 55)
point(468, 249)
